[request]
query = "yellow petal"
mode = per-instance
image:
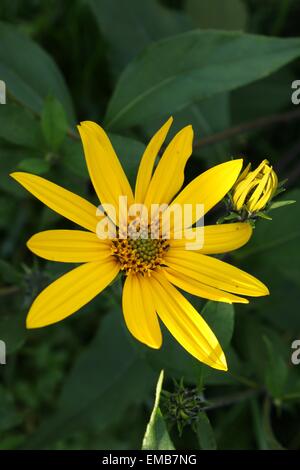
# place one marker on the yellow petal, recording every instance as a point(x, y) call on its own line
point(239, 199)
point(214, 272)
point(105, 169)
point(139, 311)
point(60, 200)
point(207, 189)
point(244, 173)
point(216, 238)
point(245, 186)
point(274, 182)
point(148, 160)
point(169, 174)
point(69, 246)
point(70, 292)
point(256, 195)
point(195, 287)
point(185, 323)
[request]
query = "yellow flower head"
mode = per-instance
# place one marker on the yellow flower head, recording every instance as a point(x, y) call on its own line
point(153, 267)
point(254, 189)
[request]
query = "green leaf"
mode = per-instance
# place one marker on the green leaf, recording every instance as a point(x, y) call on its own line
point(72, 157)
point(232, 216)
point(272, 255)
point(272, 441)
point(34, 165)
point(173, 73)
point(157, 436)
point(209, 116)
point(218, 14)
point(54, 123)
point(174, 359)
point(276, 370)
point(220, 317)
point(263, 426)
point(129, 152)
point(18, 126)
point(11, 156)
point(245, 108)
point(136, 25)
point(278, 204)
point(29, 72)
point(263, 215)
point(178, 363)
point(130, 26)
point(266, 352)
point(205, 432)
point(277, 244)
point(107, 378)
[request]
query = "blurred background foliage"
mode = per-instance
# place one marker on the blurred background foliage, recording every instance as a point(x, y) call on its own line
point(85, 383)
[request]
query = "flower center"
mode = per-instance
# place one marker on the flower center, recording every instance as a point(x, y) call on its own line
point(139, 254)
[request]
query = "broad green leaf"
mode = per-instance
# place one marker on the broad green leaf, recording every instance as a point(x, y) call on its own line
point(29, 72)
point(263, 427)
point(276, 370)
point(259, 431)
point(220, 317)
point(232, 429)
point(174, 359)
point(130, 26)
point(276, 244)
point(205, 432)
point(157, 436)
point(173, 73)
point(178, 363)
point(272, 441)
point(218, 14)
point(54, 123)
point(210, 116)
point(18, 126)
point(235, 375)
point(207, 117)
point(37, 166)
point(265, 351)
point(274, 308)
point(245, 108)
point(250, 344)
point(10, 158)
point(107, 378)
point(128, 150)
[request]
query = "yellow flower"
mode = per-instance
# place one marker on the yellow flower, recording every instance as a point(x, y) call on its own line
point(254, 189)
point(152, 267)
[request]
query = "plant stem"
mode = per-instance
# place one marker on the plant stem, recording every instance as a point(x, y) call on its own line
point(232, 399)
point(8, 290)
point(259, 123)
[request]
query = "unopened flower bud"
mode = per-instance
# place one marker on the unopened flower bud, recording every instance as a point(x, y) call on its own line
point(254, 189)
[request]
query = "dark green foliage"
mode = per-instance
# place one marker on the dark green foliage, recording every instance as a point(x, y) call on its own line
point(85, 382)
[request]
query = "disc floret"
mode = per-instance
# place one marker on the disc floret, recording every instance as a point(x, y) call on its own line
point(139, 253)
